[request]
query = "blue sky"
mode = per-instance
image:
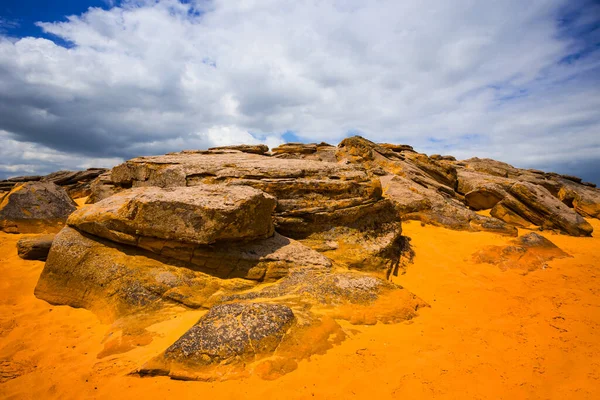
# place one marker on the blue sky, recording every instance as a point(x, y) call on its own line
point(511, 80)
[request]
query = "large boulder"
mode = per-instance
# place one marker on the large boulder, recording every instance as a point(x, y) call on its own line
point(35, 247)
point(231, 331)
point(35, 207)
point(202, 214)
point(533, 204)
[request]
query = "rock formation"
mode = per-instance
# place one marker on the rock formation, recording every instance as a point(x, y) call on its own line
point(35, 207)
point(35, 247)
point(280, 246)
point(76, 183)
point(157, 246)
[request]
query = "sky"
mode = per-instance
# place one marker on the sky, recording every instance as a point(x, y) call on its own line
point(90, 83)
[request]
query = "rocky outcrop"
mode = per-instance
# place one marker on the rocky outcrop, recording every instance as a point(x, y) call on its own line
point(35, 247)
point(323, 204)
point(35, 207)
point(532, 204)
point(311, 151)
point(529, 252)
point(422, 189)
point(76, 183)
point(148, 247)
point(245, 148)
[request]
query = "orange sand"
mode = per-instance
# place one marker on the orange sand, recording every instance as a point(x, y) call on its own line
point(488, 334)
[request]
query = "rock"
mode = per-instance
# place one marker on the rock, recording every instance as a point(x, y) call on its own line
point(398, 148)
point(35, 247)
point(316, 201)
point(529, 252)
point(202, 214)
point(114, 280)
point(535, 204)
point(484, 198)
point(101, 188)
point(231, 331)
point(422, 189)
point(76, 183)
point(35, 207)
point(439, 157)
point(301, 148)
point(318, 152)
point(245, 148)
point(585, 200)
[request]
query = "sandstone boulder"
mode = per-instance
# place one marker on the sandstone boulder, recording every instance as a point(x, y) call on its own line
point(101, 188)
point(245, 148)
point(35, 247)
point(534, 204)
point(230, 331)
point(35, 207)
point(202, 214)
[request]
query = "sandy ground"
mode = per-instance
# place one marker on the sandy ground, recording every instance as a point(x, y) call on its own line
point(488, 334)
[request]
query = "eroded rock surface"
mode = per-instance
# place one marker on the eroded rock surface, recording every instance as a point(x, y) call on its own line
point(35, 207)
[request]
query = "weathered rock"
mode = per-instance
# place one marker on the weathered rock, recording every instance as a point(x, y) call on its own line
point(529, 252)
point(76, 183)
point(316, 200)
point(202, 214)
point(101, 188)
point(585, 200)
point(35, 247)
point(245, 148)
point(312, 151)
point(115, 280)
point(398, 148)
point(229, 331)
point(35, 207)
point(535, 204)
point(302, 148)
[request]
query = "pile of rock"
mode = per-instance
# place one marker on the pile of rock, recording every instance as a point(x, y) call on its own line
point(76, 183)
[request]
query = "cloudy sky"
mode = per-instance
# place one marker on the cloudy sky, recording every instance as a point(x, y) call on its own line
point(90, 83)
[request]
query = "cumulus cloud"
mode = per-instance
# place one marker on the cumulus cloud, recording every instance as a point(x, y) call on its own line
point(511, 80)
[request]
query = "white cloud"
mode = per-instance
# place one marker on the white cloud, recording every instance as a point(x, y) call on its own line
point(462, 77)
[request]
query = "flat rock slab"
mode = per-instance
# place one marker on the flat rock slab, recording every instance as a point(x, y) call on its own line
point(232, 330)
point(35, 247)
point(202, 214)
point(35, 207)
